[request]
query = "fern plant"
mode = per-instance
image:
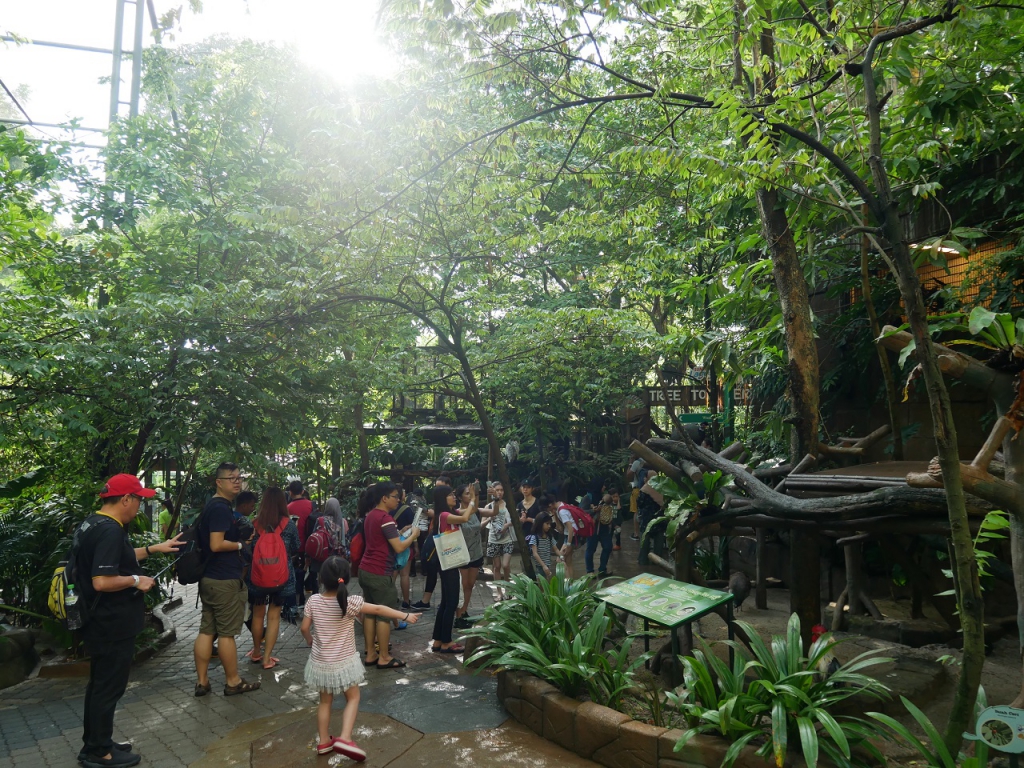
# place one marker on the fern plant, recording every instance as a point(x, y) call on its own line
point(557, 630)
point(780, 695)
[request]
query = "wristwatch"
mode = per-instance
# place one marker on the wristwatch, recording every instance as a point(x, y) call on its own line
point(135, 578)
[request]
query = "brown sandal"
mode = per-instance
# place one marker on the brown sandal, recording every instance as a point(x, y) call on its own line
point(242, 687)
point(202, 690)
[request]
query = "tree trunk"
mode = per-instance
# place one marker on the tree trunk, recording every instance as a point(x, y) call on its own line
point(802, 353)
point(969, 599)
point(891, 397)
point(476, 400)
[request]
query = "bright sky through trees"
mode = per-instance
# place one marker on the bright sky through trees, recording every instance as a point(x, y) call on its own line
point(335, 36)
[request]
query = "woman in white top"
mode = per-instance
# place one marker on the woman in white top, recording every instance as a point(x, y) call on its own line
point(499, 540)
point(566, 526)
point(471, 530)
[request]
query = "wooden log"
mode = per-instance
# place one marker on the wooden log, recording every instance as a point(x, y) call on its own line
point(996, 384)
point(761, 587)
point(767, 473)
point(656, 460)
point(662, 563)
point(911, 501)
point(993, 443)
point(979, 482)
point(868, 440)
point(837, 614)
point(839, 450)
point(691, 470)
point(733, 450)
point(802, 466)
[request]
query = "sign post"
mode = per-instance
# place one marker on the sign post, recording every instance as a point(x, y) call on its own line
point(667, 602)
point(1001, 728)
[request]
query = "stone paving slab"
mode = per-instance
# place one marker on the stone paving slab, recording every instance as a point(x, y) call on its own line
point(387, 743)
point(40, 719)
point(432, 706)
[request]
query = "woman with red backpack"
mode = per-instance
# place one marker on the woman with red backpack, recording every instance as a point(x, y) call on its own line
point(271, 577)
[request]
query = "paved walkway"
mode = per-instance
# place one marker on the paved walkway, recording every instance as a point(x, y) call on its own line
point(40, 719)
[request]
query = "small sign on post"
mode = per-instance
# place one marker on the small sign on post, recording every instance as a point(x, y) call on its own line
point(1001, 728)
point(665, 601)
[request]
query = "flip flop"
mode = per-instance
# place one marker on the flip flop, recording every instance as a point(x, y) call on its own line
point(254, 659)
point(454, 648)
point(272, 664)
point(370, 663)
point(393, 664)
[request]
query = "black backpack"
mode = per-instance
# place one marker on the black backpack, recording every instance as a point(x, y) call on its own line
point(191, 563)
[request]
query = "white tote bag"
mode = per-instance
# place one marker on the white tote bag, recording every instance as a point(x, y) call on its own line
point(452, 551)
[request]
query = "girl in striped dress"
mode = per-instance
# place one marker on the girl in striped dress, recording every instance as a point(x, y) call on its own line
point(542, 544)
point(334, 665)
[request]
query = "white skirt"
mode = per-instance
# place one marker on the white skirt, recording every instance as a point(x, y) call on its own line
point(335, 677)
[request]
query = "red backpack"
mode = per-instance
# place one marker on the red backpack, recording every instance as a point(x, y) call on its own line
point(356, 546)
point(582, 522)
point(325, 540)
point(270, 559)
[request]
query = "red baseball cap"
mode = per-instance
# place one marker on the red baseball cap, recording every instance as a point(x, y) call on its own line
point(124, 485)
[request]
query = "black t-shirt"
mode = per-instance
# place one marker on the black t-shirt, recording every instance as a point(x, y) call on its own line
point(218, 517)
point(531, 515)
point(104, 549)
point(404, 516)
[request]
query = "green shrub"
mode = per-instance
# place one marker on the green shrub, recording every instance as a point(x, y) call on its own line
point(557, 630)
point(933, 749)
point(780, 694)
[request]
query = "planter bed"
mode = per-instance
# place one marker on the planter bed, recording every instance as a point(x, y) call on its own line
point(606, 736)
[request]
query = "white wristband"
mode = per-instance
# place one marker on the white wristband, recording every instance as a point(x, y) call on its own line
point(135, 578)
point(239, 546)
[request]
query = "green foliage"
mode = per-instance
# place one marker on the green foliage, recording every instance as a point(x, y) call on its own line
point(993, 527)
point(779, 693)
point(558, 631)
point(687, 500)
point(933, 749)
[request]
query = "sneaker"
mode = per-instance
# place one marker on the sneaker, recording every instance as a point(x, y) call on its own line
point(412, 608)
point(118, 746)
point(634, 537)
point(349, 749)
point(419, 605)
point(604, 574)
point(616, 548)
point(327, 747)
point(117, 759)
point(463, 623)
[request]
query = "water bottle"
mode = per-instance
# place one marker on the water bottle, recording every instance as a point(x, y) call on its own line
point(71, 609)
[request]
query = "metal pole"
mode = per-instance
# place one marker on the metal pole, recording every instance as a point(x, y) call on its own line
point(140, 19)
point(115, 71)
point(51, 44)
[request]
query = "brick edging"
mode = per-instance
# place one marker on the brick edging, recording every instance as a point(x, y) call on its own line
point(604, 735)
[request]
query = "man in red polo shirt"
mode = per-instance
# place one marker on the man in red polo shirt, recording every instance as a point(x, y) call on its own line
point(300, 508)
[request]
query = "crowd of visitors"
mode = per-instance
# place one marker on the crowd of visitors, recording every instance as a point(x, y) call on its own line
point(269, 551)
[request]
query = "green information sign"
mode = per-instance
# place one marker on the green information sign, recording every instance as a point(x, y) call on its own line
point(661, 600)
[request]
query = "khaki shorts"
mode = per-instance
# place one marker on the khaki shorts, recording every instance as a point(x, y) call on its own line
point(223, 606)
point(379, 590)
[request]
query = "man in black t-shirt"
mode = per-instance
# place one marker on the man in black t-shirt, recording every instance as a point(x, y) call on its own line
point(221, 588)
point(111, 590)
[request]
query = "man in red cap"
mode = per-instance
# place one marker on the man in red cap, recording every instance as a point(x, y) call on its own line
point(115, 613)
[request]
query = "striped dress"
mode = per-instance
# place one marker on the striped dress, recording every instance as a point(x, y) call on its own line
point(334, 664)
point(544, 546)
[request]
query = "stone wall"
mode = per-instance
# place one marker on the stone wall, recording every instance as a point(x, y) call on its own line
point(604, 735)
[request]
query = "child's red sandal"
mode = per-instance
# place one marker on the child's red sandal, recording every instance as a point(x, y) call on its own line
point(349, 750)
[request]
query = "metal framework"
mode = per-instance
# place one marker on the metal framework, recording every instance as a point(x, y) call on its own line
point(118, 54)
